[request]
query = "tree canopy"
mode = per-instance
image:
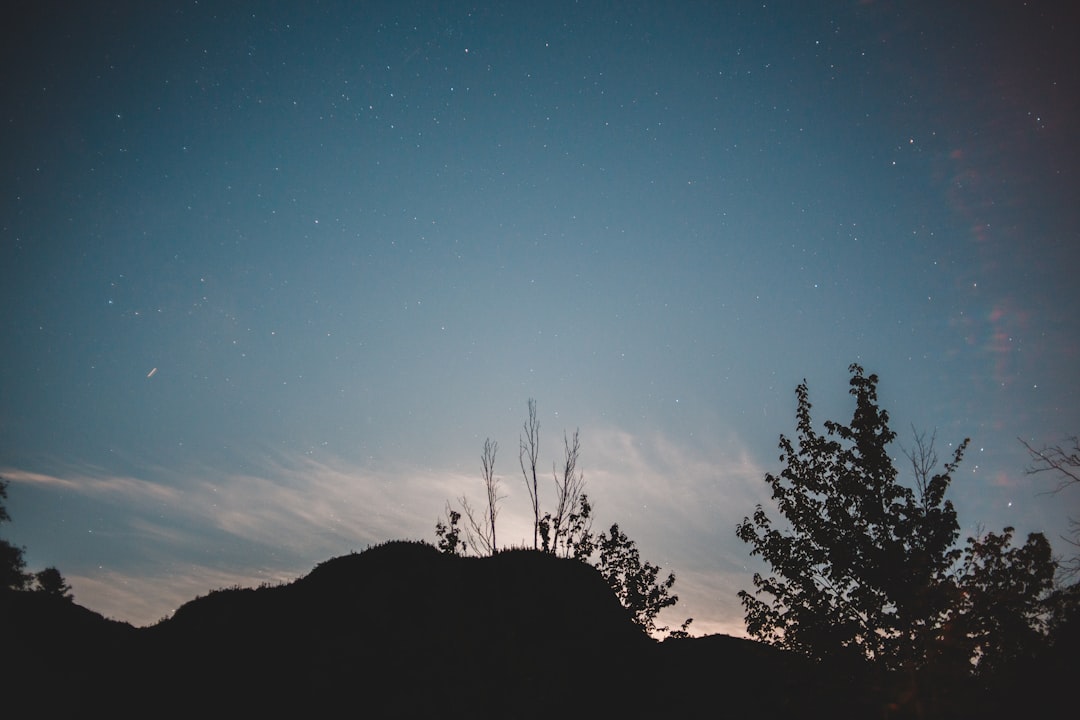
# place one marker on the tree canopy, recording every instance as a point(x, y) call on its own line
point(867, 570)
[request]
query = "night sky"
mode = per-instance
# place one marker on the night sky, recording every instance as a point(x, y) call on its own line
point(271, 272)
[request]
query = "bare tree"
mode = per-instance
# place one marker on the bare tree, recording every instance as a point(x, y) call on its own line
point(491, 483)
point(566, 531)
point(571, 517)
point(1064, 463)
point(529, 450)
point(481, 533)
point(923, 459)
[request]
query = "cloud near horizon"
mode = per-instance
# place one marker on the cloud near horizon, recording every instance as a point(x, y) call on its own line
point(192, 534)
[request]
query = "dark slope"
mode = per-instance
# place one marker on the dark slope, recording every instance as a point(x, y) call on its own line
point(53, 654)
point(405, 630)
point(399, 630)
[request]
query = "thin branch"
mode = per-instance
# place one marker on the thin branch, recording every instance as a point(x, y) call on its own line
point(568, 490)
point(1056, 459)
point(491, 484)
point(923, 459)
point(477, 535)
point(529, 447)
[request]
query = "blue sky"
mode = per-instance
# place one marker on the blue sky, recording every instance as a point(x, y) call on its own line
point(272, 272)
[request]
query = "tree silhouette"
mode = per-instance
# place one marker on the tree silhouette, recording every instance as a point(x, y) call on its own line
point(862, 574)
point(481, 533)
point(529, 449)
point(868, 577)
point(13, 575)
point(1059, 460)
point(568, 532)
point(634, 582)
point(1002, 603)
point(1063, 462)
point(449, 534)
point(50, 582)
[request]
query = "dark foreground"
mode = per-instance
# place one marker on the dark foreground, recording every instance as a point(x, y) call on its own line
point(402, 630)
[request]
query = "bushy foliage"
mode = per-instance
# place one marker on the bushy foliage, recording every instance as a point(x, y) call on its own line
point(633, 581)
point(576, 539)
point(1001, 608)
point(867, 570)
point(449, 534)
point(50, 582)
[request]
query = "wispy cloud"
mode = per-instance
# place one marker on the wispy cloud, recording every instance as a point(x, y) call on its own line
point(680, 502)
point(130, 488)
point(199, 529)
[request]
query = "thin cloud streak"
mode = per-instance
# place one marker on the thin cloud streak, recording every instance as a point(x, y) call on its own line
point(680, 504)
point(131, 488)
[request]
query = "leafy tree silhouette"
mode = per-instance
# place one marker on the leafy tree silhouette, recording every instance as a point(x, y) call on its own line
point(633, 582)
point(859, 575)
point(867, 573)
point(51, 582)
point(449, 534)
point(13, 575)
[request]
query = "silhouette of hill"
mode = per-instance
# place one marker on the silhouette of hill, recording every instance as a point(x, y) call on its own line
point(48, 637)
point(401, 630)
point(421, 632)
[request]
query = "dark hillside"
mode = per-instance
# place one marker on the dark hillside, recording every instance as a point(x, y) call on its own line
point(402, 629)
point(399, 630)
point(51, 647)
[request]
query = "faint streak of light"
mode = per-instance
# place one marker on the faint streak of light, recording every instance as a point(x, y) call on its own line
point(151, 373)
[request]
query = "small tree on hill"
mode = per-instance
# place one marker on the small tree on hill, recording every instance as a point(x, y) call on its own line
point(568, 531)
point(528, 455)
point(633, 582)
point(481, 533)
point(50, 582)
point(449, 534)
